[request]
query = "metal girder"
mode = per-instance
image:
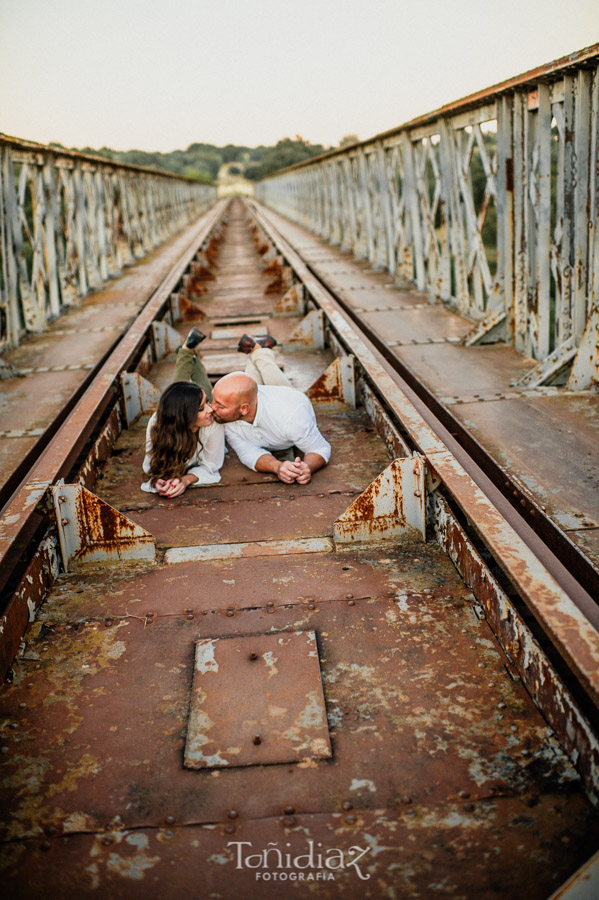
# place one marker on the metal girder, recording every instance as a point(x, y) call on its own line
point(392, 506)
point(308, 334)
point(83, 218)
point(139, 394)
point(90, 530)
point(165, 339)
point(293, 303)
point(489, 205)
point(550, 368)
point(336, 387)
point(585, 369)
point(493, 328)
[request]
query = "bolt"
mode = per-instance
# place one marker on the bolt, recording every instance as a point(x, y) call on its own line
point(62, 499)
point(64, 521)
point(257, 739)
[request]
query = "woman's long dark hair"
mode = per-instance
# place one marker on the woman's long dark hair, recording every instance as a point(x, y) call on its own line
point(173, 441)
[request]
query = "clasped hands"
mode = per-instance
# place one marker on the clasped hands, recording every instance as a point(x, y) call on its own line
point(173, 487)
point(294, 471)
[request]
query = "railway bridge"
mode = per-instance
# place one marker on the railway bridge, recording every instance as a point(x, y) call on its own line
point(382, 683)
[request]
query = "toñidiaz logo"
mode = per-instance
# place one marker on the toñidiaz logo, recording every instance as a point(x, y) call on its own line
point(275, 864)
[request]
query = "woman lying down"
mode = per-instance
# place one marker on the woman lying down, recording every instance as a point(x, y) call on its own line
point(184, 446)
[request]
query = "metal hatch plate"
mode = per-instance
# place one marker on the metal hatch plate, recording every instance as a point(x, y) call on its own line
point(256, 700)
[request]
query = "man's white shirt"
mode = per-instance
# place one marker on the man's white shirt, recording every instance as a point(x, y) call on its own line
point(284, 418)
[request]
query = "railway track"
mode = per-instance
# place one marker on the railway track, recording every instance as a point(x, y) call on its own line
point(523, 578)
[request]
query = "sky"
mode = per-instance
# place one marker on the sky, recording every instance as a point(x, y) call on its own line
point(162, 74)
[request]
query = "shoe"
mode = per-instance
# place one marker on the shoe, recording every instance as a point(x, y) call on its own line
point(194, 338)
point(246, 344)
point(267, 341)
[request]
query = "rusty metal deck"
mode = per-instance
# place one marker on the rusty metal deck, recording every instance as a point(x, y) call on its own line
point(444, 778)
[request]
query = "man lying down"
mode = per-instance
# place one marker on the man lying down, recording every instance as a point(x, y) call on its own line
point(263, 413)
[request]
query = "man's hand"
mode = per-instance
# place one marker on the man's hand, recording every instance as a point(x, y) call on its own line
point(292, 471)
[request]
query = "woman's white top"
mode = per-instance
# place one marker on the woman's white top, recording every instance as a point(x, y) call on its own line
point(204, 464)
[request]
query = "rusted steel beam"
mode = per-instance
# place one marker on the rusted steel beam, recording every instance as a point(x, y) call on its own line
point(20, 518)
point(569, 627)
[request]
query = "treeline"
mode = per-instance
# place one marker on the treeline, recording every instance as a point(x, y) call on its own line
point(203, 161)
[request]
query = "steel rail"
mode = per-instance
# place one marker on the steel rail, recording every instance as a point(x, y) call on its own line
point(20, 519)
point(564, 609)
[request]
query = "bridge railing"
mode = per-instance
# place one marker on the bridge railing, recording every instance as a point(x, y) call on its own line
point(489, 203)
point(70, 221)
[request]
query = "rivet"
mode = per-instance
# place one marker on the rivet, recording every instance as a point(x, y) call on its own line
point(50, 830)
point(311, 606)
point(13, 725)
point(350, 819)
point(189, 616)
point(292, 496)
point(3, 749)
point(406, 799)
point(465, 794)
point(62, 499)
point(169, 835)
point(289, 820)
point(230, 612)
point(232, 813)
point(270, 603)
point(64, 521)
point(321, 495)
point(347, 804)
point(349, 596)
point(45, 845)
point(257, 739)
point(22, 704)
point(169, 820)
point(351, 602)
point(188, 609)
point(270, 609)
point(289, 810)
point(468, 807)
point(229, 828)
point(108, 623)
point(107, 840)
point(253, 655)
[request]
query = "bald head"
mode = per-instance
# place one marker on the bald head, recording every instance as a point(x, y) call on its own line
point(235, 396)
